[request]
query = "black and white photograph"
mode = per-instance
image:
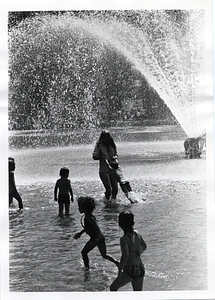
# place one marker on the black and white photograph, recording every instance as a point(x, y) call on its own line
point(107, 150)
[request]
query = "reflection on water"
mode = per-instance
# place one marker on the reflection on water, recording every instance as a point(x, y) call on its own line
point(45, 258)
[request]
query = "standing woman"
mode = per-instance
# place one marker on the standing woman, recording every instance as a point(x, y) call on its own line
point(105, 151)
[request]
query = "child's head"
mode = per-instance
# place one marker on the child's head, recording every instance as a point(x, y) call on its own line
point(64, 172)
point(126, 220)
point(86, 204)
point(11, 164)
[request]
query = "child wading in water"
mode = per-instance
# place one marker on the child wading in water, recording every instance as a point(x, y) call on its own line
point(13, 193)
point(65, 191)
point(131, 268)
point(124, 184)
point(86, 205)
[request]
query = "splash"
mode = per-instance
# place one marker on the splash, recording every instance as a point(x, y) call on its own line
point(167, 51)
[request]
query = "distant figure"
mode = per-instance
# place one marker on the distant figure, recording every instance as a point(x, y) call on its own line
point(124, 184)
point(191, 147)
point(63, 185)
point(104, 151)
point(86, 205)
point(13, 193)
point(131, 268)
point(202, 142)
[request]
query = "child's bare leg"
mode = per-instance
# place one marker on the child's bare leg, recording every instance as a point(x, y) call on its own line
point(60, 209)
point(67, 208)
point(137, 284)
point(103, 251)
point(90, 245)
point(10, 199)
point(128, 186)
point(120, 282)
point(19, 199)
point(124, 188)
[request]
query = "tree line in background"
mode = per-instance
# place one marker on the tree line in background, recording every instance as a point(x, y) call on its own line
point(63, 78)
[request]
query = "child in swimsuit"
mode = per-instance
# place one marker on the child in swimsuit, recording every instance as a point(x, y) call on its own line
point(131, 268)
point(65, 192)
point(86, 205)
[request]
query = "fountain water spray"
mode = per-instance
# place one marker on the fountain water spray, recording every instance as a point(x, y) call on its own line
point(167, 51)
point(170, 57)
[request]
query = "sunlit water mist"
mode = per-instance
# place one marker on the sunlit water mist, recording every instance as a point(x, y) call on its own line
point(169, 53)
point(45, 258)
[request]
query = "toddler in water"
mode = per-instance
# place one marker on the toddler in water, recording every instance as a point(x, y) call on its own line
point(13, 193)
point(124, 184)
point(65, 191)
point(131, 268)
point(86, 205)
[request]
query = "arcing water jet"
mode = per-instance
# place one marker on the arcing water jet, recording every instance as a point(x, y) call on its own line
point(167, 47)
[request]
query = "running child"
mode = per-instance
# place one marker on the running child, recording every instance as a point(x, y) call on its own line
point(86, 205)
point(64, 190)
point(131, 268)
point(13, 193)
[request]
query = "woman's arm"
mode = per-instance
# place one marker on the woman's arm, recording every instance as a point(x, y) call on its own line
point(100, 152)
point(96, 152)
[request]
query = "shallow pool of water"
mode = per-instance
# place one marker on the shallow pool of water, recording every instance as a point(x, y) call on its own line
point(172, 220)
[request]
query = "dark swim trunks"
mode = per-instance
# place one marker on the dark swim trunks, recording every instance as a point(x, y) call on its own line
point(135, 271)
point(99, 241)
point(63, 198)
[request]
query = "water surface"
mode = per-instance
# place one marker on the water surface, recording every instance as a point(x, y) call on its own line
point(45, 258)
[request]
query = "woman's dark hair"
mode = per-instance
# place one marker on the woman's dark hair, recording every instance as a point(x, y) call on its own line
point(64, 172)
point(126, 220)
point(88, 203)
point(106, 136)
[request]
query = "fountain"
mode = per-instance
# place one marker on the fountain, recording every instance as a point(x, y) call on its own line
point(61, 57)
point(58, 67)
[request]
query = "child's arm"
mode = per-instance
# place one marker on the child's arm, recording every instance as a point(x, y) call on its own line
point(143, 245)
point(125, 254)
point(55, 191)
point(79, 234)
point(71, 192)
